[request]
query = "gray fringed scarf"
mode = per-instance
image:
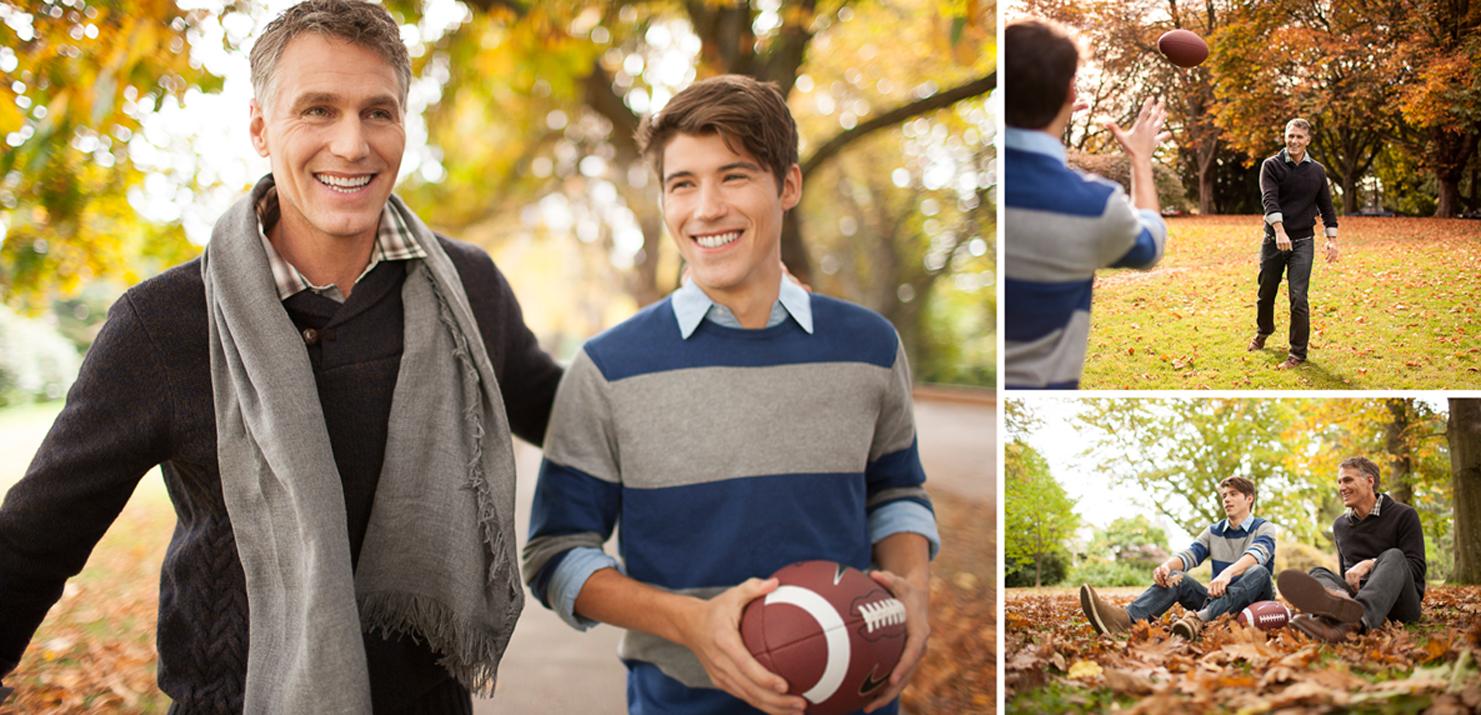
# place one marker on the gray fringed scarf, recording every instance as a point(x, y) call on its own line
point(438, 560)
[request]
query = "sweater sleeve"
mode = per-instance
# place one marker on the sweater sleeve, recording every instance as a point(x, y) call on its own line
point(1270, 191)
point(528, 376)
point(1197, 551)
point(114, 428)
point(1411, 542)
point(1324, 205)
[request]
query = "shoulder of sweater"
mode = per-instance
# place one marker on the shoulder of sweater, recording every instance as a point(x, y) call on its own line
point(468, 258)
point(853, 318)
point(172, 295)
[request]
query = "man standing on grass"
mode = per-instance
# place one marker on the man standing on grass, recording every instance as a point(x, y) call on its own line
point(1293, 190)
point(1241, 548)
point(1060, 224)
point(329, 392)
point(1380, 556)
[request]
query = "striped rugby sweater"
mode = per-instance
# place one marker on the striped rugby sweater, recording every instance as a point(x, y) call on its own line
point(1224, 545)
point(725, 456)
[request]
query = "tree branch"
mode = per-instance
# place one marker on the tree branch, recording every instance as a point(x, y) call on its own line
point(977, 87)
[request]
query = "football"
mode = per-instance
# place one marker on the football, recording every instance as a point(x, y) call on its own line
point(1182, 48)
point(1265, 615)
point(830, 631)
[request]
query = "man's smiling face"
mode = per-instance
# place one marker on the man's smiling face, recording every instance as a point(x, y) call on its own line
point(724, 210)
point(335, 135)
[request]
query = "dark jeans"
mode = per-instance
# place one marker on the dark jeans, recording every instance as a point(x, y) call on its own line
point(1253, 585)
point(1296, 264)
point(1387, 594)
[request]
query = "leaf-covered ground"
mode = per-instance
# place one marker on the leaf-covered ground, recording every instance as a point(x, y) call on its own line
point(1055, 663)
point(1400, 310)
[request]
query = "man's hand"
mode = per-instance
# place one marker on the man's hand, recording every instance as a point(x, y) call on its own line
point(1357, 573)
point(1220, 584)
point(1282, 241)
point(1331, 249)
point(1161, 574)
point(917, 631)
point(712, 630)
point(1141, 140)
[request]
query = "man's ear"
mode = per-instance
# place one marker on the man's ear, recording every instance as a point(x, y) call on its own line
point(257, 127)
point(791, 188)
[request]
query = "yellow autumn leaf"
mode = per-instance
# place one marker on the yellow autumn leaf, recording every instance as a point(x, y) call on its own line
point(1085, 670)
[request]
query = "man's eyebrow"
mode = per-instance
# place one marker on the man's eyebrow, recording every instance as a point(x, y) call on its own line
point(312, 98)
point(732, 166)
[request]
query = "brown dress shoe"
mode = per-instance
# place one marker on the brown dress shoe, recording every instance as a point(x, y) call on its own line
point(1309, 595)
point(1291, 362)
point(1256, 344)
point(1325, 629)
point(1104, 616)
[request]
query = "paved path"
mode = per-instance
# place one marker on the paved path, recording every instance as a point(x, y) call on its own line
point(551, 669)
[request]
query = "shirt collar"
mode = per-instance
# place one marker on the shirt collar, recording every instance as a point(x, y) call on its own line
point(394, 241)
point(1352, 515)
point(1285, 155)
point(1035, 141)
point(1243, 525)
point(692, 305)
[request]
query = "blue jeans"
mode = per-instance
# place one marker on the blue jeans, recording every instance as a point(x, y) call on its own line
point(1387, 594)
point(1253, 585)
point(1296, 264)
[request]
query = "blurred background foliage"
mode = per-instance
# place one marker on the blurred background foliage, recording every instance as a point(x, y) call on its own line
point(124, 130)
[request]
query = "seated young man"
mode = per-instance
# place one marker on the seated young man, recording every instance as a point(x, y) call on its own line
point(1241, 548)
point(736, 427)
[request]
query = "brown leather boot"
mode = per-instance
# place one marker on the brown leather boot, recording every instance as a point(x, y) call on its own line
point(1190, 626)
point(1325, 629)
point(1309, 595)
point(1104, 616)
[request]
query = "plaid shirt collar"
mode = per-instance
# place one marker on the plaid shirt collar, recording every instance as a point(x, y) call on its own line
point(393, 242)
point(1352, 516)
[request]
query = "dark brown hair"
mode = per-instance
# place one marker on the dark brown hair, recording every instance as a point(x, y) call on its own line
point(1363, 465)
point(1241, 485)
point(1039, 62)
point(736, 107)
point(355, 21)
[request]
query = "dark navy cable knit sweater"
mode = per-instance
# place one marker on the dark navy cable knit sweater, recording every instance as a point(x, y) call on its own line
point(1298, 192)
point(143, 398)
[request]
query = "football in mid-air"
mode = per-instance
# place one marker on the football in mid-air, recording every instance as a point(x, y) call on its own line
point(833, 633)
point(1182, 48)
point(1265, 615)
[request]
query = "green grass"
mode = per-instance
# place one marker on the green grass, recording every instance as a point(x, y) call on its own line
point(1400, 310)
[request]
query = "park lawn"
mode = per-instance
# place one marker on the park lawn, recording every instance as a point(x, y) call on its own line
point(1400, 310)
point(1054, 662)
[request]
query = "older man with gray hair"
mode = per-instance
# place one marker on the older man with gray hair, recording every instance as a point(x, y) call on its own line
point(329, 392)
point(1293, 190)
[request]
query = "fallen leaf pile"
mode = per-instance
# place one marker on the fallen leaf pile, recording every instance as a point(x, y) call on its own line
point(1429, 667)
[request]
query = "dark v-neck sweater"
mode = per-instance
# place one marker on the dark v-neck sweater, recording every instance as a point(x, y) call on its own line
point(143, 398)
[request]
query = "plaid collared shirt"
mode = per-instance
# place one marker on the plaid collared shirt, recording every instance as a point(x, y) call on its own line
point(1352, 515)
point(393, 242)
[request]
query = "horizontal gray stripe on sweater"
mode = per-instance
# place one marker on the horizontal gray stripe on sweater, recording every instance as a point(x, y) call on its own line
point(703, 425)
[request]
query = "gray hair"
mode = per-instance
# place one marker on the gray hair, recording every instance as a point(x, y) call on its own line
point(1299, 122)
point(355, 21)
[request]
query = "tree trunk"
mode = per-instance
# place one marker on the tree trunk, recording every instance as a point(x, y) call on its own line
point(1464, 435)
point(1401, 463)
point(1449, 204)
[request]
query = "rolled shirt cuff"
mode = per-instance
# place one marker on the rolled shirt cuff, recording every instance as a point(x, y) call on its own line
point(570, 575)
point(1275, 218)
point(904, 517)
point(1331, 232)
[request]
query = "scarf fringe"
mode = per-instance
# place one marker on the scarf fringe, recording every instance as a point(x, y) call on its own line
point(470, 651)
point(488, 513)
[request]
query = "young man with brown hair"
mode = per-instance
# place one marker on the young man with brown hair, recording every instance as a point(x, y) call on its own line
point(1061, 225)
point(735, 427)
point(329, 392)
point(1380, 556)
point(1241, 547)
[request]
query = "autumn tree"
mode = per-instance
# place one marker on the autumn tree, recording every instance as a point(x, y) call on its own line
point(1437, 72)
point(1464, 436)
point(78, 78)
point(558, 90)
point(1039, 515)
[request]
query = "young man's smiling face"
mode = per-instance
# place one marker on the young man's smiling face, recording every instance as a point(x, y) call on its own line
point(724, 211)
point(335, 135)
